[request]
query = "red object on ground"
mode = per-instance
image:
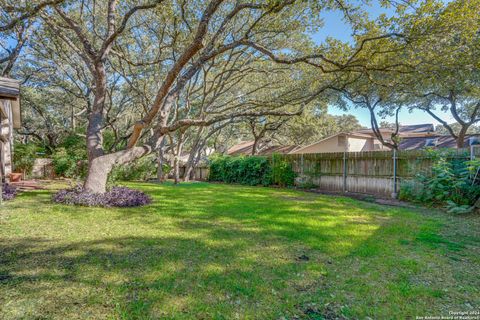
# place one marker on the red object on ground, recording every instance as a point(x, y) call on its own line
point(15, 177)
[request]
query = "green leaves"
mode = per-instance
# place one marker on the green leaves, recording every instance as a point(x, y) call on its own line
point(252, 170)
point(451, 183)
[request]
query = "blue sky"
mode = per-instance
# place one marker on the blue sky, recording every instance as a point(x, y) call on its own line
point(335, 27)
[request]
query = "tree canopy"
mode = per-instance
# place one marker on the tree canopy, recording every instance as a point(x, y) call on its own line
point(134, 77)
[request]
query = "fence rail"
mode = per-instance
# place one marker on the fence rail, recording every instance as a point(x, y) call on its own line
point(369, 172)
point(379, 173)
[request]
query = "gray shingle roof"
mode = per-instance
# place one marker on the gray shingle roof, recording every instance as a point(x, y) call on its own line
point(417, 128)
point(414, 143)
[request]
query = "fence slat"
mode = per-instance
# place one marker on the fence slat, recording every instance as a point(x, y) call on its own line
point(369, 172)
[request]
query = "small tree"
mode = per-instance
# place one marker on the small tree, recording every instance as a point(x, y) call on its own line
point(24, 158)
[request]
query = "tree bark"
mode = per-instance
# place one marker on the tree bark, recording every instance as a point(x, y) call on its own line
point(461, 137)
point(256, 142)
point(176, 168)
point(100, 167)
point(191, 156)
point(376, 127)
point(188, 170)
point(176, 161)
point(192, 164)
point(160, 173)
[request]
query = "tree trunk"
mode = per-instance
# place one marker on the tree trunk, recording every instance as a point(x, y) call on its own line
point(177, 154)
point(100, 167)
point(176, 169)
point(461, 137)
point(160, 158)
point(160, 173)
point(188, 172)
point(190, 165)
point(192, 155)
point(190, 168)
point(255, 146)
point(195, 165)
point(98, 171)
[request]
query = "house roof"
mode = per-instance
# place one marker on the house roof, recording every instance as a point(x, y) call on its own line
point(277, 149)
point(9, 88)
point(409, 130)
point(10, 91)
point(417, 128)
point(356, 134)
point(443, 141)
point(245, 148)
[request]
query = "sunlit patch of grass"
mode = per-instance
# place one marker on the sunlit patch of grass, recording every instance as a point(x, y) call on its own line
point(216, 251)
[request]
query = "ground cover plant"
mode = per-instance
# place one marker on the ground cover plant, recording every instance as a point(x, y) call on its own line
point(9, 192)
point(215, 251)
point(115, 197)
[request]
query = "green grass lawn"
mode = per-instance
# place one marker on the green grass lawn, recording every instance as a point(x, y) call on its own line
point(211, 251)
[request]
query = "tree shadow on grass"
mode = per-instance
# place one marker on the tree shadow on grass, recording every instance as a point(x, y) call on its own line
point(232, 251)
point(332, 225)
point(146, 277)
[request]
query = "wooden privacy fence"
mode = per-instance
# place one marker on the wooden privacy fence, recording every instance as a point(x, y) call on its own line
point(199, 173)
point(369, 172)
point(43, 169)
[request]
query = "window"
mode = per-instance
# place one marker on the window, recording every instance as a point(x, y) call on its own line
point(341, 141)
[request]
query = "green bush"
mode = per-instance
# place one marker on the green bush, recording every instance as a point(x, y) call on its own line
point(452, 183)
point(69, 159)
point(142, 169)
point(68, 165)
point(251, 170)
point(282, 171)
point(24, 157)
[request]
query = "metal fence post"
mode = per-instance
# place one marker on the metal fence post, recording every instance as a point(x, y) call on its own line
point(395, 192)
point(273, 167)
point(345, 171)
point(301, 165)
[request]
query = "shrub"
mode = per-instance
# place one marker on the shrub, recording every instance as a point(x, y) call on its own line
point(116, 197)
point(69, 159)
point(24, 157)
point(282, 171)
point(451, 183)
point(252, 170)
point(8, 192)
point(141, 169)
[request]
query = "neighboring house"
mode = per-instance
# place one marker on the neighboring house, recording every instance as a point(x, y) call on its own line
point(411, 137)
point(439, 141)
point(9, 120)
point(366, 140)
point(403, 131)
point(245, 148)
point(350, 142)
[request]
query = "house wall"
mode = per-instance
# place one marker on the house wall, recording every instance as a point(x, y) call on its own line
point(337, 143)
point(360, 144)
point(6, 130)
point(331, 144)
